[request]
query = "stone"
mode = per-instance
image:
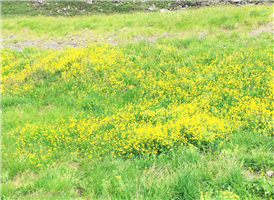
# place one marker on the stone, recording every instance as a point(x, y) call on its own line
point(88, 1)
point(39, 2)
point(152, 7)
point(164, 10)
point(270, 173)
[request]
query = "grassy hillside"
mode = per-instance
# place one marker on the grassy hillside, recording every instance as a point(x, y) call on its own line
point(219, 22)
point(80, 7)
point(181, 117)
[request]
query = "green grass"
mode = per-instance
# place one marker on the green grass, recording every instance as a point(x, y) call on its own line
point(147, 76)
point(80, 8)
point(179, 176)
point(217, 21)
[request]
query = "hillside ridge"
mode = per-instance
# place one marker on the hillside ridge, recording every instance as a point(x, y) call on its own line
point(87, 8)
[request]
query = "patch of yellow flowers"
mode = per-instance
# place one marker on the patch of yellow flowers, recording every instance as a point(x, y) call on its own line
point(148, 104)
point(224, 195)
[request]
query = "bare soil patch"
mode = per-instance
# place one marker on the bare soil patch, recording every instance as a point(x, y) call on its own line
point(269, 28)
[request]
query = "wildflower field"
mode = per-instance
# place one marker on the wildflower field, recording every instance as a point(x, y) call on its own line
point(184, 117)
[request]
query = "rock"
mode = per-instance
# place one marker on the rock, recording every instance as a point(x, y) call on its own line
point(39, 2)
point(152, 7)
point(164, 10)
point(88, 1)
point(270, 173)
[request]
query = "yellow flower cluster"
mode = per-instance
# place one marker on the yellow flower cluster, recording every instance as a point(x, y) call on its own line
point(224, 195)
point(139, 104)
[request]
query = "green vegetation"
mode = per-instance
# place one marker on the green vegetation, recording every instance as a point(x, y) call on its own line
point(182, 116)
point(219, 22)
point(20, 8)
point(80, 8)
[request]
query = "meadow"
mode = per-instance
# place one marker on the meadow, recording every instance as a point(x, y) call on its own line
point(188, 115)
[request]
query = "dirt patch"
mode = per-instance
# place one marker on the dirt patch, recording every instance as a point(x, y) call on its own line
point(71, 42)
point(23, 179)
point(8, 38)
point(148, 38)
point(250, 174)
point(42, 109)
point(269, 28)
point(203, 33)
point(19, 45)
point(74, 165)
